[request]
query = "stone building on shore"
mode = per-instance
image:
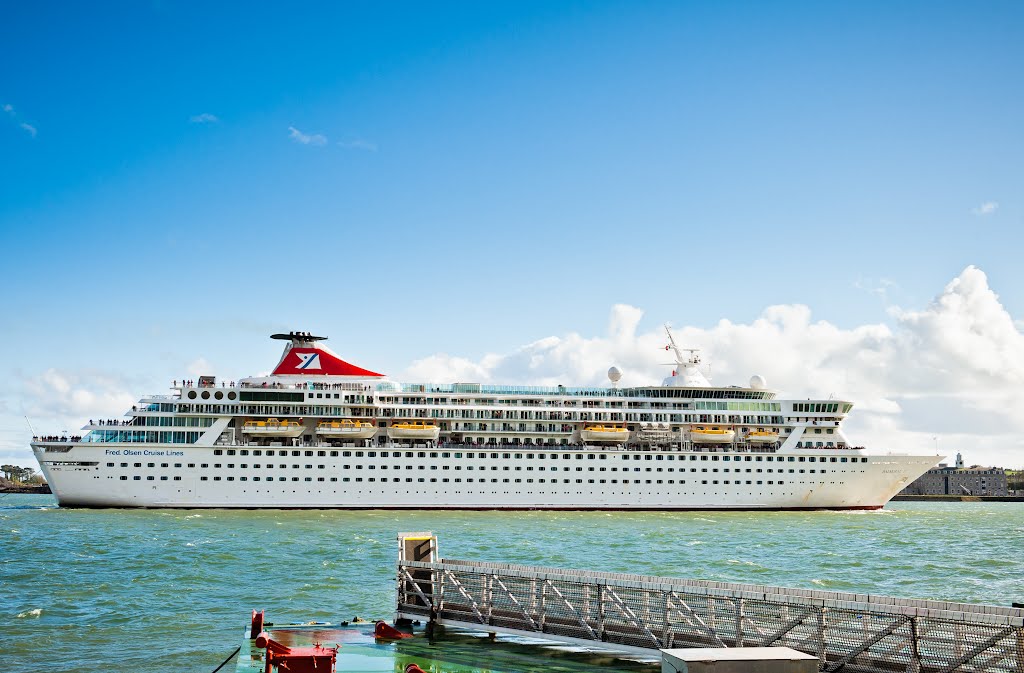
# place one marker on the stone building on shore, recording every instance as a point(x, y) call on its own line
point(959, 480)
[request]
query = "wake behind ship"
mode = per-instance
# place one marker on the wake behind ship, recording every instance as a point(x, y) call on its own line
point(322, 433)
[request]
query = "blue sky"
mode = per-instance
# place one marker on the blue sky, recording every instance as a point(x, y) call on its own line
point(177, 180)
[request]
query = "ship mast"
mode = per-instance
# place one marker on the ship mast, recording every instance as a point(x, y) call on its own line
point(693, 359)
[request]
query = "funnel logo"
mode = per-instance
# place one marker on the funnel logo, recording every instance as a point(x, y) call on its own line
point(309, 360)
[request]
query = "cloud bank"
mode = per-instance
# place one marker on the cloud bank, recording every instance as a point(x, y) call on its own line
point(946, 375)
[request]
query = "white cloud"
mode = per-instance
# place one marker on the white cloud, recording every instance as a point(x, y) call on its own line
point(70, 398)
point(29, 128)
point(303, 139)
point(199, 367)
point(8, 108)
point(986, 208)
point(204, 118)
point(359, 144)
point(951, 370)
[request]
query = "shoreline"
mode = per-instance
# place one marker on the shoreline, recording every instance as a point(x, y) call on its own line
point(958, 498)
point(42, 489)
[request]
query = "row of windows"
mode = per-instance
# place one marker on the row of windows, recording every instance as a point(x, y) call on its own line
point(517, 468)
point(544, 456)
point(481, 481)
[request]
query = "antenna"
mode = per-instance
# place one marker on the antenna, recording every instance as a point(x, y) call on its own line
point(34, 433)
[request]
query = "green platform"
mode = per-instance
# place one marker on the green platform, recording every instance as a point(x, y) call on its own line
point(452, 652)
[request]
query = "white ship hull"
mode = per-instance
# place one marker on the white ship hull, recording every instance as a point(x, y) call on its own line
point(84, 477)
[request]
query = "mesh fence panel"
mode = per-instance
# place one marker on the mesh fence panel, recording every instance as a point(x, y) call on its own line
point(875, 635)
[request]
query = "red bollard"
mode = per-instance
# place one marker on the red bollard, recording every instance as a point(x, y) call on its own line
point(413, 668)
point(257, 624)
point(385, 631)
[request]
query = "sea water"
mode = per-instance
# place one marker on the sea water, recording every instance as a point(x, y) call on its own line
point(171, 590)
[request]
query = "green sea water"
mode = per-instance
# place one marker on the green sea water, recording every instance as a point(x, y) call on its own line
point(152, 590)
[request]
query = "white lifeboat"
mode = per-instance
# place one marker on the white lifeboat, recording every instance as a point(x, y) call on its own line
point(346, 429)
point(604, 433)
point(422, 431)
point(273, 428)
point(711, 434)
point(762, 436)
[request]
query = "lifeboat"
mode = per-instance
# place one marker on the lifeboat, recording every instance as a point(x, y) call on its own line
point(711, 434)
point(273, 428)
point(604, 433)
point(423, 431)
point(762, 436)
point(346, 429)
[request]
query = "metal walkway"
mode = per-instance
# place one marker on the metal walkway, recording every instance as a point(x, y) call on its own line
point(636, 613)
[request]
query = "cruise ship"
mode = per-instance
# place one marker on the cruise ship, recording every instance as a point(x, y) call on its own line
point(319, 432)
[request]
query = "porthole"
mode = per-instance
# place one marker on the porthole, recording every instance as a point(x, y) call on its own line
point(206, 394)
point(219, 395)
point(231, 396)
point(191, 394)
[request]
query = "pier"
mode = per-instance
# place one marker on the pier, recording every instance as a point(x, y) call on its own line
point(858, 633)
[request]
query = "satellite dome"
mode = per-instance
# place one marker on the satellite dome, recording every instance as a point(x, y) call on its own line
point(614, 374)
point(757, 382)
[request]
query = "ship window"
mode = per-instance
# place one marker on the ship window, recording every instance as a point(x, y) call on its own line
point(150, 478)
point(124, 477)
point(200, 478)
point(110, 465)
point(295, 453)
point(863, 460)
point(231, 452)
point(216, 478)
point(842, 460)
point(346, 454)
point(150, 465)
point(334, 454)
point(321, 453)
point(336, 479)
point(126, 465)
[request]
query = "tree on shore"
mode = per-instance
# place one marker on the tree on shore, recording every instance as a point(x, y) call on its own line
point(17, 474)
